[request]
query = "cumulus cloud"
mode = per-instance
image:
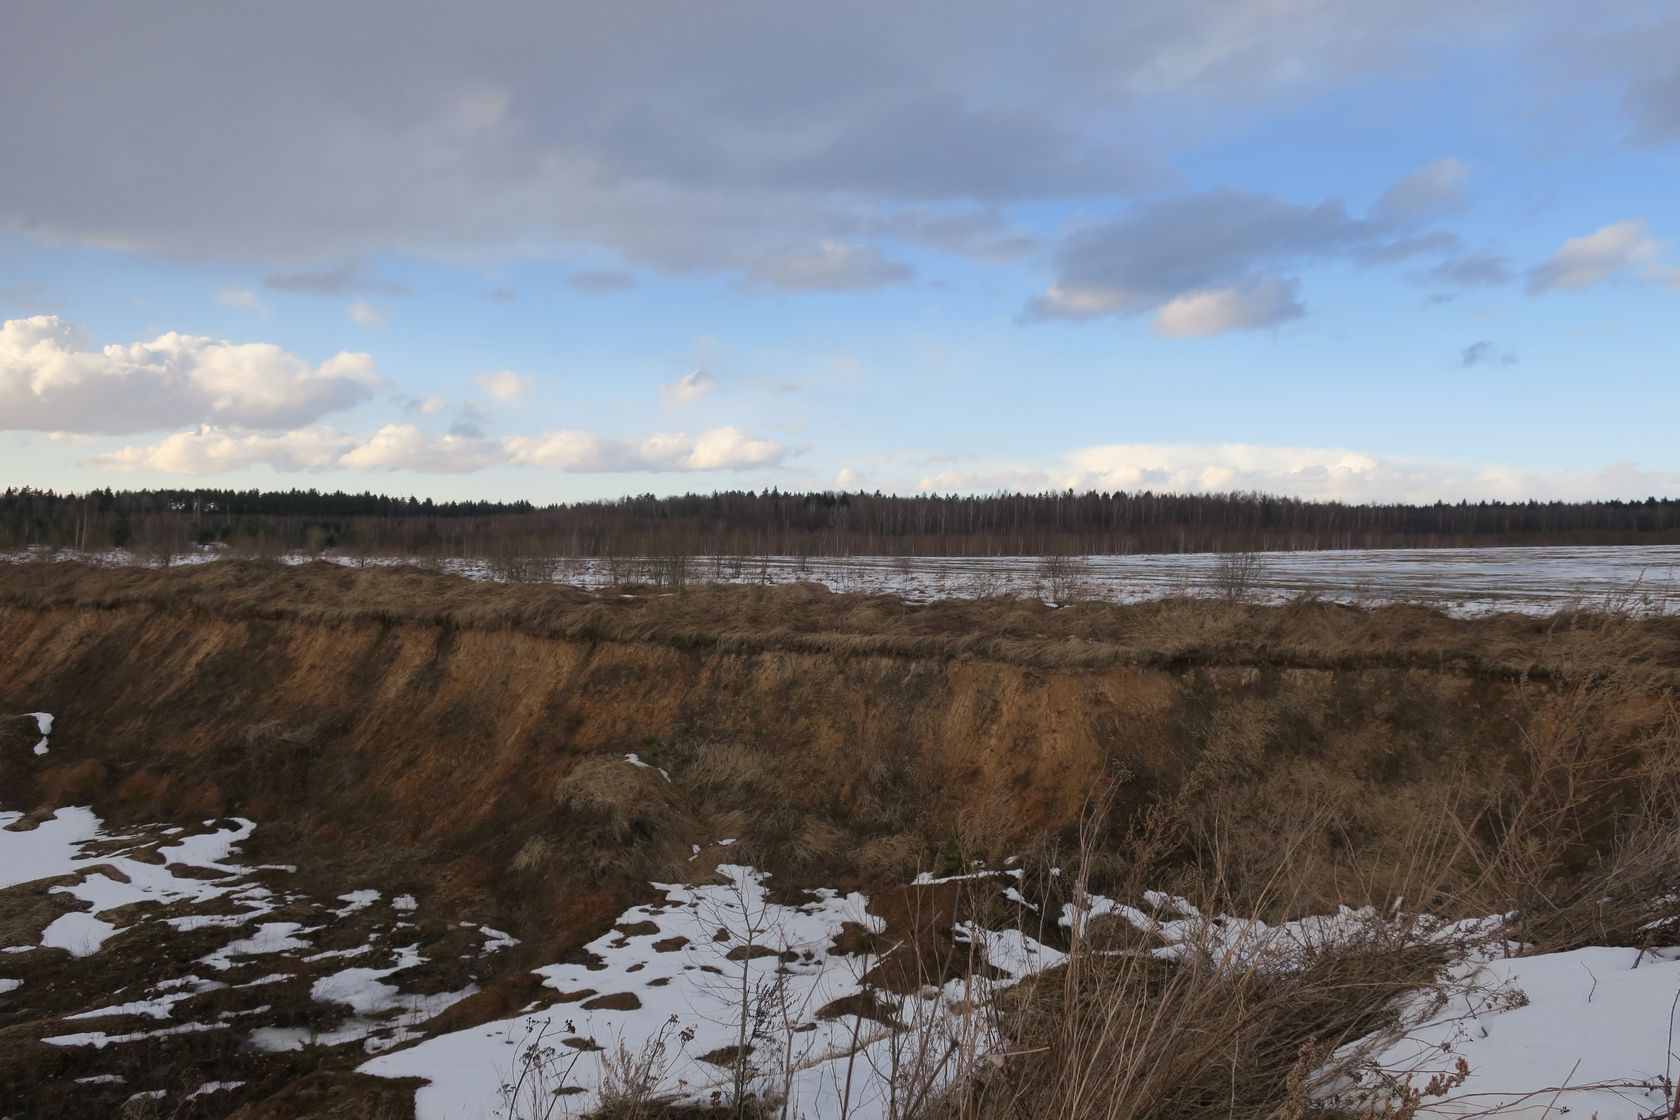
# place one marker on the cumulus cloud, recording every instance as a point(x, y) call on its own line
point(1582, 262)
point(405, 447)
point(688, 388)
point(1309, 472)
point(1425, 192)
point(503, 384)
point(51, 379)
point(425, 406)
point(213, 451)
point(1484, 353)
point(232, 295)
point(585, 452)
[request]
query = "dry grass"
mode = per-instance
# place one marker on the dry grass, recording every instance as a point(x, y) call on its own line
point(1174, 633)
point(617, 817)
point(1118, 1033)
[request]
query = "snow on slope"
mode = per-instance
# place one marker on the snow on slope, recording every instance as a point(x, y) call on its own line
point(670, 983)
point(1583, 1033)
point(56, 846)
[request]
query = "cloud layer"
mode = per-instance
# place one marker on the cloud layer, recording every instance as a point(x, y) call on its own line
point(253, 404)
point(800, 148)
point(405, 447)
point(1307, 472)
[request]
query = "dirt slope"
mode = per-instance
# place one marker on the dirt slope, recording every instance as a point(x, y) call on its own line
point(440, 726)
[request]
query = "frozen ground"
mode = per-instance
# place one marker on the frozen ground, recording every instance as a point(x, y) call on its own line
point(665, 997)
point(161, 932)
point(1644, 578)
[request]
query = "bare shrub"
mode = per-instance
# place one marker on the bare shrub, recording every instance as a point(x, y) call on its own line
point(631, 1077)
point(1236, 577)
point(515, 564)
point(1064, 579)
point(541, 1079)
point(986, 582)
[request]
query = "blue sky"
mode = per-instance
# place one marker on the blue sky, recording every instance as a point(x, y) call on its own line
point(1353, 250)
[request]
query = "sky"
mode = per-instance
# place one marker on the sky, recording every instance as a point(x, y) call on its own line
point(1371, 250)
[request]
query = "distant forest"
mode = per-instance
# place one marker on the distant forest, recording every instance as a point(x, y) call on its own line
point(772, 522)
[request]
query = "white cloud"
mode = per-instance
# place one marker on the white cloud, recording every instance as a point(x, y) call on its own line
point(364, 314)
point(232, 295)
point(503, 384)
point(688, 388)
point(1265, 301)
point(584, 452)
point(1307, 472)
point(52, 379)
point(405, 447)
point(211, 450)
point(214, 450)
point(731, 449)
point(1582, 262)
point(429, 406)
point(848, 479)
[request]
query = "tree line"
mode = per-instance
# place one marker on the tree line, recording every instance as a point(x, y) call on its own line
point(818, 523)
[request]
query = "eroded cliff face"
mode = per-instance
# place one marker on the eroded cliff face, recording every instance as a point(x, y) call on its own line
point(354, 714)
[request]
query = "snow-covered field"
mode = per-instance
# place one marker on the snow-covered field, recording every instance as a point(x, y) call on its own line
point(1468, 581)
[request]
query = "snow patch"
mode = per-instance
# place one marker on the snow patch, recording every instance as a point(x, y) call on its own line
point(43, 725)
point(635, 760)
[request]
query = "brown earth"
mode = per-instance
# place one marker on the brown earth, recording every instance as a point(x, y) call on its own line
point(430, 731)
